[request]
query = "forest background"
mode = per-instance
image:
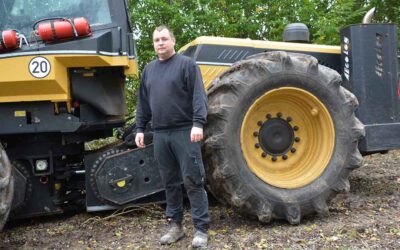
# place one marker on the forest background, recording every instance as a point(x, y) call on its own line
point(254, 19)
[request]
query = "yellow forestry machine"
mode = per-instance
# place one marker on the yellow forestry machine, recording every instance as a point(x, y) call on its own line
point(284, 128)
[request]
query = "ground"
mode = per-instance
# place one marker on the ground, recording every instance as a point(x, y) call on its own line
point(368, 217)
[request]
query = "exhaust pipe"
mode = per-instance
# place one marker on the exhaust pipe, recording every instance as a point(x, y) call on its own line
point(368, 16)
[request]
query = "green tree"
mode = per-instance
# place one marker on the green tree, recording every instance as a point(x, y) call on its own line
point(254, 19)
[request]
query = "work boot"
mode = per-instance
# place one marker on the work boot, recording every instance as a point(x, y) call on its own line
point(200, 239)
point(174, 234)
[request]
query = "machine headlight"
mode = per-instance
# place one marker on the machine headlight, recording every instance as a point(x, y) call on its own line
point(41, 165)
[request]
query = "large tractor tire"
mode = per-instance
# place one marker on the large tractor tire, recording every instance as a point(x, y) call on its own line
point(281, 137)
point(6, 187)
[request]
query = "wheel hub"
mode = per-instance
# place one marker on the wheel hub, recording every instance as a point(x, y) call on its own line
point(276, 136)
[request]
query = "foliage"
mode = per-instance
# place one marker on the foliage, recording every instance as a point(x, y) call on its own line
point(131, 88)
point(254, 19)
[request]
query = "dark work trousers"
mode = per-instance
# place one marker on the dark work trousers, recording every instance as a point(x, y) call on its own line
point(180, 159)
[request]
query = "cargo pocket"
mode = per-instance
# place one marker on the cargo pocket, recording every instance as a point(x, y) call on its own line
point(196, 171)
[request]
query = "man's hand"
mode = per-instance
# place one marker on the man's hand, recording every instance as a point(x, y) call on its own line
point(196, 134)
point(139, 139)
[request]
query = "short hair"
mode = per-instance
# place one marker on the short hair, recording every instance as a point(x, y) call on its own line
point(162, 27)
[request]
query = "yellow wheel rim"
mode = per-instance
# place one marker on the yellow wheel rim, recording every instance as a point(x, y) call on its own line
point(287, 137)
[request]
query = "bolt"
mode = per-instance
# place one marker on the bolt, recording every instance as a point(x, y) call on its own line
point(279, 114)
point(257, 145)
point(260, 123)
point(295, 128)
point(314, 112)
point(255, 133)
point(297, 139)
point(289, 119)
point(293, 150)
point(274, 158)
point(284, 157)
point(263, 155)
point(269, 116)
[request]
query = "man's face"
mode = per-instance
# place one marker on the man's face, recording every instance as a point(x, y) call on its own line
point(163, 44)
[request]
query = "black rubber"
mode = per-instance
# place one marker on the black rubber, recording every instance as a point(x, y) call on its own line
point(229, 178)
point(6, 187)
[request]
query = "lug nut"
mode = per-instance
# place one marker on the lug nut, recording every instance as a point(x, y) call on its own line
point(269, 116)
point(255, 133)
point(284, 157)
point(289, 119)
point(297, 139)
point(293, 150)
point(260, 123)
point(263, 155)
point(257, 145)
point(279, 114)
point(295, 128)
point(274, 158)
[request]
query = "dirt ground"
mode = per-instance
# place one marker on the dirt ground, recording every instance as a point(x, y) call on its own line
point(368, 217)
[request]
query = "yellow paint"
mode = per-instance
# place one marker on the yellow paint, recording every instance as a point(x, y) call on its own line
point(210, 72)
point(263, 44)
point(17, 84)
point(313, 151)
point(132, 69)
point(121, 184)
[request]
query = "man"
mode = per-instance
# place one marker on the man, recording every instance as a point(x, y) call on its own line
point(172, 96)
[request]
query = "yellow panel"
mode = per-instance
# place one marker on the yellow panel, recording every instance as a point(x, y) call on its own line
point(210, 72)
point(263, 44)
point(17, 84)
point(132, 69)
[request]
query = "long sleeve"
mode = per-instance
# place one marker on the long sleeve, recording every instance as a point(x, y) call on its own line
point(143, 110)
point(199, 96)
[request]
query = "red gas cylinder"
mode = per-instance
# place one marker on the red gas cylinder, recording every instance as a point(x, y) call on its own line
point(82, 26)
point(60, 29)
point(9, 40)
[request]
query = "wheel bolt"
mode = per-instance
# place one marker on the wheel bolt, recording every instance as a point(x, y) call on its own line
point(293, 150)
point(274, 158)
point(255, 134)
point(269, 116)
point(260, 123)
point(297, 139)
point(257, 145)
point(279, 114)
point(295, 128)
point(263, 155)
point(289, 119)
point(284, 157)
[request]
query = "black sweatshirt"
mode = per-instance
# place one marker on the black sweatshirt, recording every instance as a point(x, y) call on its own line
point(171, 94)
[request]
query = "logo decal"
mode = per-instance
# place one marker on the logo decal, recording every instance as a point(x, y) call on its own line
point(346, 66)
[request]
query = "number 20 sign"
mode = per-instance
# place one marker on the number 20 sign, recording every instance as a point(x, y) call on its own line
point(39, 67)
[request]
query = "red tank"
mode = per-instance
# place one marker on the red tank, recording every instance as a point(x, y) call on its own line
point(60, 29)
point(9, 40)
